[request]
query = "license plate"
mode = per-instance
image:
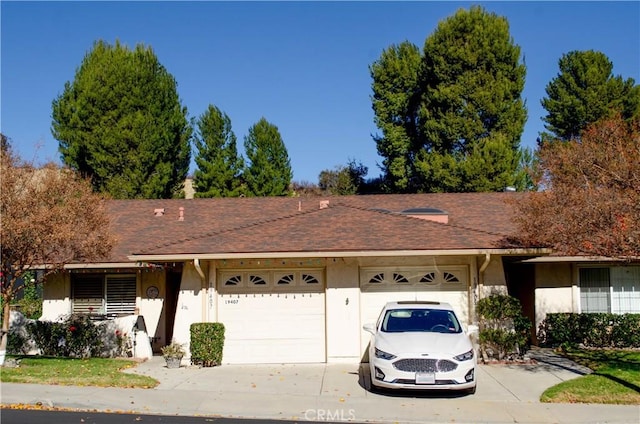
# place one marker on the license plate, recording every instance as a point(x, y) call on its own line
point(425, 378)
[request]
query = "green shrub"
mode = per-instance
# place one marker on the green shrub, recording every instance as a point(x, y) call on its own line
point(504, 331)
point(76, 337)
point(207, 342)
point(598, 330)
point(16, 344)
point(31, 302)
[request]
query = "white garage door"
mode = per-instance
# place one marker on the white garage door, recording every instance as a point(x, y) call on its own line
point(442, 284)
point(272, 316)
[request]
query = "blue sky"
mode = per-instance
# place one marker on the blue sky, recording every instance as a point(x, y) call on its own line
point(301, 65)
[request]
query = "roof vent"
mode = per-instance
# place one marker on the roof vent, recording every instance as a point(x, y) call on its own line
point(158, 212)
point(430, 214)
point(324, 204)
point(181, 214)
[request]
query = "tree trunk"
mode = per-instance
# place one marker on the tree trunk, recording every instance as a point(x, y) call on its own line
point(6, 314)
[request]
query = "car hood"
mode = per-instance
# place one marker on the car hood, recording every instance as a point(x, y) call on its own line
point(421, 343)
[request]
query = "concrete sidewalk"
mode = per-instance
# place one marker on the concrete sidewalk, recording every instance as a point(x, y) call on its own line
point(329, 392)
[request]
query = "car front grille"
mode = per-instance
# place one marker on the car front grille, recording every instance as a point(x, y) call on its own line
point(425, 365)
point(410, 381)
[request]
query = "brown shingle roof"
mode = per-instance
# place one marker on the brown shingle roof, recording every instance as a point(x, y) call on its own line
point(275, 224)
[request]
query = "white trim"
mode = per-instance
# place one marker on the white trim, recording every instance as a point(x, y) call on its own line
point(327, 254)
point(106, 265)
point(560, 259)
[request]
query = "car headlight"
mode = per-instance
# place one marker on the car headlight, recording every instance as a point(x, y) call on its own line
point(464, 356)
point(384, 355)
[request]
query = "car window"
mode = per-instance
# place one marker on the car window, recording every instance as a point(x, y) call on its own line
point(420, 320)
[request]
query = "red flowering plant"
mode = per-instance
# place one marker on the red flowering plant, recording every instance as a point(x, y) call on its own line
point(83, 338)
point(76, 337)
point(121, 343)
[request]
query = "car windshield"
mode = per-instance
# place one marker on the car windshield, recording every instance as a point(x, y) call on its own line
point(422, 320)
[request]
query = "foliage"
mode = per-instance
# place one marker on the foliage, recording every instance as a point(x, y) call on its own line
point(173, 350)
point(395, 102)
point(344, 180)
point(451, 118)
point(219, 165)
point(30, 304)
point(75, 337)
point(120, 123)
point(615, 378)
point(16, 343)
point(504, 331)
point(306, 189)
point(591, 199)
point(593, 330)
point(102, 372)
point(269, 170)
point(49, 216)
point(207, 343)
point(585, 91)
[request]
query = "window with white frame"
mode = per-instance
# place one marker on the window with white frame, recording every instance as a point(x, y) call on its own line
point(104, 293)
point(610, 289)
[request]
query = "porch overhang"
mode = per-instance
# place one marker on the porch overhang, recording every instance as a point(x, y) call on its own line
point(182, 257)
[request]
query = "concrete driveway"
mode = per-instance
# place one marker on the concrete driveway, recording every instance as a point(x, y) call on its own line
point(329, 393)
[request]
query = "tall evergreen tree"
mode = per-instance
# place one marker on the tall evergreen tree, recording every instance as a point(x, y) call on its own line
point(458, 127)
point(395, 100)
point(585, 91)
point(120, 123)
point(219, 172)
point(269, 171)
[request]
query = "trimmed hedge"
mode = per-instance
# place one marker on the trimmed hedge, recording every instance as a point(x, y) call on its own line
point(207, 342)
point(504, 331)
point(598, 330)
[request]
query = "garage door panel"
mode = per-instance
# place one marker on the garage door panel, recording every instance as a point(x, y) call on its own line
point(381, 285)
point(276, 327)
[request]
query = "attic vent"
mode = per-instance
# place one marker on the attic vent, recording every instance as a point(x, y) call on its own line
point(158, 212)
point(431, 214)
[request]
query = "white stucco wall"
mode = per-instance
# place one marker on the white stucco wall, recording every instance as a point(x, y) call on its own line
point(57, 296)
point(493, 280)
point(555, 291)
point(189, 308)
point(342, 311)
point(151, 309)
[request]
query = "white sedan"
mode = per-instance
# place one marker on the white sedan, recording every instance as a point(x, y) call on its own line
point(421, 345)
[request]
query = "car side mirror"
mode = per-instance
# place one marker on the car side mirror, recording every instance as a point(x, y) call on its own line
point(370, 327)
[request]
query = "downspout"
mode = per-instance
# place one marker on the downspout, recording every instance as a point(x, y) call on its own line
point(203, 287)
point(483, 268)
point(475, 332)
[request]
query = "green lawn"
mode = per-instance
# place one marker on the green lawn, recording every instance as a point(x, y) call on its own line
point(615, 379)
point(101, 372)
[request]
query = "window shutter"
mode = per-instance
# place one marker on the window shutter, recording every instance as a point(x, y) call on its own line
point(87, 294)
point(121, 294)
